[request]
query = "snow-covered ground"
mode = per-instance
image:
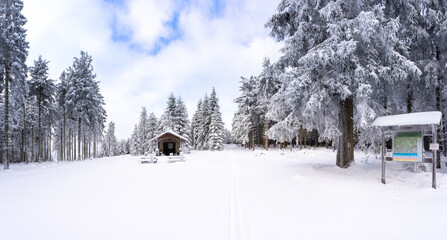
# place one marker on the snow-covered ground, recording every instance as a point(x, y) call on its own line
point(233, 194)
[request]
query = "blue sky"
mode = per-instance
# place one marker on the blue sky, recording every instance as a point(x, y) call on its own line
point(145, 49)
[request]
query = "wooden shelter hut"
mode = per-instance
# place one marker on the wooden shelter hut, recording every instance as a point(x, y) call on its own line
point(169, 143)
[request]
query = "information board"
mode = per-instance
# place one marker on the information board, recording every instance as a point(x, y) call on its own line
point(407, 147)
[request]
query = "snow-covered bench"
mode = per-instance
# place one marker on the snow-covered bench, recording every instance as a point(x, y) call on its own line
point(179, 158)
point(151, 159)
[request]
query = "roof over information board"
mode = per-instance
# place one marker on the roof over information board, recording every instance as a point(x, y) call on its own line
point(409, 119)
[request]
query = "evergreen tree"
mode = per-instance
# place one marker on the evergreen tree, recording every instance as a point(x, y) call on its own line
point(110, 143)
point(169, 117)
point(334, 53)
point(84, 103)
point(143, 132)
point(182, 125)
point(152, 124)
point(43, 89)
point(248, 114)
point(216, 135)
point(207, 125)
point(134, 144)
point(13, 54)
point(196, 124)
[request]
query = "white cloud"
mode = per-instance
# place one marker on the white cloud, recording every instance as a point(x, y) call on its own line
point(211, 51)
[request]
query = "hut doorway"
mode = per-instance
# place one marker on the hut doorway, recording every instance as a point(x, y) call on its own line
point(168, 148)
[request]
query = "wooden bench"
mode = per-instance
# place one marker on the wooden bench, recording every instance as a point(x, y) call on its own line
point(179, 158)
point(151, 159)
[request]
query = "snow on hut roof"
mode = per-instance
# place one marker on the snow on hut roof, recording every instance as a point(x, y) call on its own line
point(170, 132)
point(409, 119)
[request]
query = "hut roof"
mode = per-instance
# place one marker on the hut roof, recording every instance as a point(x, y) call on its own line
point(169, 132)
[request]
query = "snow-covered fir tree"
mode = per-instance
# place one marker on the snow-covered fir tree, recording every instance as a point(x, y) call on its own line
point(196, 125)
point(248, 113)
point(152, 125)
point(175, 118)
point(13, 54)
point(216, 132)
point(143, 132)
point(207, 124)
point(110, 144)
point(81, 112)
point(169, 116)
point(182, 125)
point(134, 142)
point(43, 90)
point(335, 52)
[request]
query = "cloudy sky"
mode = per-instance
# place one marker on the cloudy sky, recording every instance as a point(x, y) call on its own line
point(145, 49)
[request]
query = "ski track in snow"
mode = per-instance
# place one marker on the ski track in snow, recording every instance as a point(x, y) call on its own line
point(238, 228)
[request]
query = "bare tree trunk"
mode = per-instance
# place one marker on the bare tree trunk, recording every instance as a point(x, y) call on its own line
point(25, 152)
point(69, 145)
point(94, 144)
point(345, 150)
point(49, 143)
point(305, 133)
point(79, 138)
point(266, 128)
point(301, 137)
point(12, 159)
point(61, 156)
point(85, 149)
point(22, 148)
point(74, 145)
point(443, 135)
point(39, 131)
point(65, 155)
point(6, 161)
point(32, 145)
point(438, 107)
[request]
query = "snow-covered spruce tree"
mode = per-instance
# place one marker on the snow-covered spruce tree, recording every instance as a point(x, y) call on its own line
point(109, 142)
point(84, 104)
point(123, 147)
point(61, 128)
point(248, 115)
point(228, 139)
point(169, 117)
point(207, 125)
point(43, 89)
point(335, 50)
point(152, 124)
point(142, 132)
point(13, 54)
point(196, 124)
point(202, 130)
point(175, 118)
point(216, 132)
point(181, 124)
point(134, 144)
point(266, 86)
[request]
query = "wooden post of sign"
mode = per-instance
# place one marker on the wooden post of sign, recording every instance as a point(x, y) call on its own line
point(435, 155)
point(383, 156)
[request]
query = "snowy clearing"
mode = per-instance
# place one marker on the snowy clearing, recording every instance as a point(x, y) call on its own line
point(233, 194)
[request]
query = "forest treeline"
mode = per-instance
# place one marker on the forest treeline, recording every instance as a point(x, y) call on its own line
point(38, 115)
point(205, 131)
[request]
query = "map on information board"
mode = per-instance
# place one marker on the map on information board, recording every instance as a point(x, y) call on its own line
point(407, 146)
